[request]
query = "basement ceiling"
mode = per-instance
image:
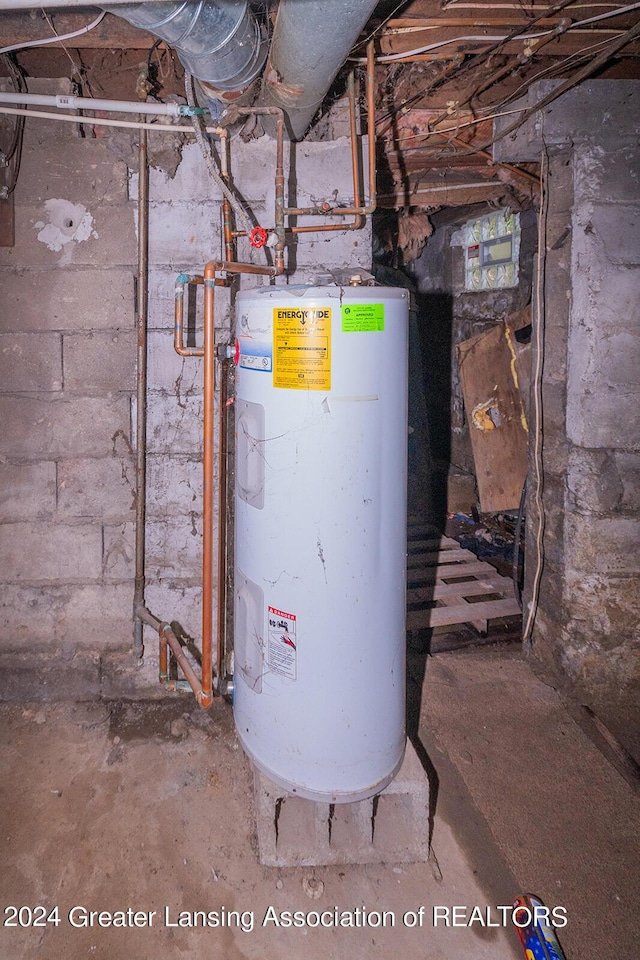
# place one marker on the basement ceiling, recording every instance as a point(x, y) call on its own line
point(443, 71)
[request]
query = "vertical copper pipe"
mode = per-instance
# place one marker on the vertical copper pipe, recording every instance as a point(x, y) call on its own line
point(205, 696)
point(141, 390)
point(178, 340)
point(227, 224)
point(356, 210)
point(207, 468)
point(355, 164)
point(371, 127)
point(163, 660)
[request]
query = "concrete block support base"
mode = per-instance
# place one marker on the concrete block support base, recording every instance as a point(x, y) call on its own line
point(392, 827)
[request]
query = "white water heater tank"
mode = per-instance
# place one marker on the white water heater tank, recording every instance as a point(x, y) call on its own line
point(320, 537)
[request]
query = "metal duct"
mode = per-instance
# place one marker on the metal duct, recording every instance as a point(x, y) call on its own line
point(218, 41)
point(310, 43)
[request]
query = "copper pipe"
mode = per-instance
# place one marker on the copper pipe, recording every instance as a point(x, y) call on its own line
point(141, 390)
point(357, 209)
point(227, 211)
point(207, 468)
point(210, 283)
point(168, 636)
point(163, 660)
point(353, 129)
point(182, 280)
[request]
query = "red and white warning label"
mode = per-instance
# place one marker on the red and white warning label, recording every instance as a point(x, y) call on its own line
point(282, 646)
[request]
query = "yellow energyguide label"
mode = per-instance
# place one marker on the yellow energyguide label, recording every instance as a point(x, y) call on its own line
point(302, 348)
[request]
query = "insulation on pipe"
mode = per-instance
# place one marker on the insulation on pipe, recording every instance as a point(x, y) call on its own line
point(311, 41)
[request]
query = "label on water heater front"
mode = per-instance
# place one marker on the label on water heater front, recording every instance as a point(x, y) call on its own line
point(282, 643)
point(254, 355)
point(302, 348)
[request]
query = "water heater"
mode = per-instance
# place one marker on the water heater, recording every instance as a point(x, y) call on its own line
point(320, 540)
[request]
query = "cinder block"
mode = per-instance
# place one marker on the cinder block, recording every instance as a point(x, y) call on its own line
point(192, 179)
point(100, 363)
point(73, 615)
point(170, 372)
point(39, 429)
point(97, 615)
point(99, 233)
point(628, 468)
point(606, 545)
point(27, 490)
point(162, 298)
point(30, 552)
point(43, 675)
point(84, 171)
point(174, 428)
point(316, 253)
point(187, 232)
point(175, 601)
point(607, 174)
point(28, 615)
point(123, 677)
point(613, 231)
point(390, 828)
point(173, 548)
point(604, 417)
point(30, 362)
point(97, 488)
point(70, 299)
point(174, 485)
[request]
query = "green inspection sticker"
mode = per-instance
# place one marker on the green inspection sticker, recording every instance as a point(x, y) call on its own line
point(362, 317)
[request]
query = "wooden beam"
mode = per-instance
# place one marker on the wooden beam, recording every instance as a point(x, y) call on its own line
point(112, 33)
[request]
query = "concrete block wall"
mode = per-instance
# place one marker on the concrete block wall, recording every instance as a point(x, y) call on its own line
point(67, 395)
point(587, 628)
point(67, 354)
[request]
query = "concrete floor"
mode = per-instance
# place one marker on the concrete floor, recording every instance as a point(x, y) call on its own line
point(147, 805)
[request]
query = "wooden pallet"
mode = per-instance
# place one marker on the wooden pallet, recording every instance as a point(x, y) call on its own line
point(440, 572)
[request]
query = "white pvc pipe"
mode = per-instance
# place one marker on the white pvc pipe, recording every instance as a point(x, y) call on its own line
point(100, 122)
point(29, 4)
point(66, 102)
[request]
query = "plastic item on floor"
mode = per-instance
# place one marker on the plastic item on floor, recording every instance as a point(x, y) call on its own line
point(537, 935)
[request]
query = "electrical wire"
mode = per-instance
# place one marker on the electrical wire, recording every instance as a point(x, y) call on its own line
point(208, 159)
point(618, 11)
point(537, 393)
point(13, 154)
point(555, 68)
point(55, 39)
point(515, 567)
point(475, 60)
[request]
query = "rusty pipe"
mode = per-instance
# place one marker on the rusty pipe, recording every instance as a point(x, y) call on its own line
point(182, 280)
point(141, 389)
point(169, 638)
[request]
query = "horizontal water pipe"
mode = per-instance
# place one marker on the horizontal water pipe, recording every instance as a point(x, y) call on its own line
point(67, 102)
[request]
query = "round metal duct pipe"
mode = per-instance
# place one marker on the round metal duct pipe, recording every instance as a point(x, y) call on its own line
point(311, 41)
point(218, 41)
